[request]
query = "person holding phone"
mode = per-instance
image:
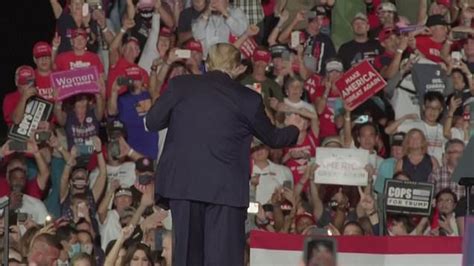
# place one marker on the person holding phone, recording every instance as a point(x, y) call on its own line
point(217, 22)
point(130, 108)
point(270, 175)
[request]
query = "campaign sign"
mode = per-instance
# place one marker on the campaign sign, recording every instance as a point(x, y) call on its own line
point(72, 82)
point(36, 110)
point(359, 83)
point(408, 197)
point(341, 166)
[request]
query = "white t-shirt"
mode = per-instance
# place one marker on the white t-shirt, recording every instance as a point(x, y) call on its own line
point(434, 136)
point(404, 102)
point(124, 172)
point(299, 105)
point(33, 207)
point(110, 229)
point(457, 133)
point(271, 177)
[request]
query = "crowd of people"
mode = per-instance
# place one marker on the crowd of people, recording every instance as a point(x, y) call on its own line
point(81, 188)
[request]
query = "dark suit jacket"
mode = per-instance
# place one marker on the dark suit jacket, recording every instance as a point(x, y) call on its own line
point(210, 120)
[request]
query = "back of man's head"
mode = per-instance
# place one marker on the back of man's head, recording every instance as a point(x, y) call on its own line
point(44, 250)
point(224, 57)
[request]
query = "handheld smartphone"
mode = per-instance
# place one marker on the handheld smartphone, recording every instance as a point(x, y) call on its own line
point(183, 53)
point(42, 136)
point(310, 14)
point(456, 56)
point(320, 251)
point(362, 119)
point(85, 9)
point(458, 35)
point(124, 81)
point(22, 217)
point(13, 218)
point(84, 149)
point(15, 145)
point(295, 39)
point(114, 149)
point(288, 184)
point(253, 207)
point(48, 219)
point(285, 56)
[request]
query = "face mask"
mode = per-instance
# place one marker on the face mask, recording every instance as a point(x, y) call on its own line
point(87, 248)
point(74, 249)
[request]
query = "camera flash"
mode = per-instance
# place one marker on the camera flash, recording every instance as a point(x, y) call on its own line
point(48, 218)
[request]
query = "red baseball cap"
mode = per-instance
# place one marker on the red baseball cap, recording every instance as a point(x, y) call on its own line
point(386, 33)
point(165, 32)
point(446, 3)
point(24, 75)
point(134, 40)
point(305, 215)
point(41, 49)
point(194, 45)
point(79, 32)
point(134, 73)
point(262, 55)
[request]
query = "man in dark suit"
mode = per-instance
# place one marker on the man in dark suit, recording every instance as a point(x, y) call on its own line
point(203, 173)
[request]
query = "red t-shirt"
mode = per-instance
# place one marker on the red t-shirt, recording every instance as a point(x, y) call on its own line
point(327, 126)
point(43, 86)
point(118, 70)
point(297, 166)
point(311, 86)
point(69, 60)
point(10, 102)
point(429, 48)
point(31, 188)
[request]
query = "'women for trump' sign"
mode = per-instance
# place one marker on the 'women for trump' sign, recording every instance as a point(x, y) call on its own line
point(72, 82)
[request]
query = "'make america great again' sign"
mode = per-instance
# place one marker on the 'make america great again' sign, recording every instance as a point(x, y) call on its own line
point(359, 84)
point(72, 82)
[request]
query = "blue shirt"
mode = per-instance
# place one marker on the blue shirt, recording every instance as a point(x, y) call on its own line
point(132, 108)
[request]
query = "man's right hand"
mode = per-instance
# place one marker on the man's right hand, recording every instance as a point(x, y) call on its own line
point(28, 92)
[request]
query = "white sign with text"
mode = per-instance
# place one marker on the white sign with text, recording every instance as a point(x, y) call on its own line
point(341, 166)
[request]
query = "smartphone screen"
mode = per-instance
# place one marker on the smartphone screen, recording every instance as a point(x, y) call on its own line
point(85, 9)
point(183, 53)
point(253, 208)
point(320, 251)
point(295, 38)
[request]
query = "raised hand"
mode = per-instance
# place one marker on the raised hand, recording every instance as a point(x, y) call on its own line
point(148, 199)
point(252, 30)
point(127, 232)
point(56, 41)
point(367, 202)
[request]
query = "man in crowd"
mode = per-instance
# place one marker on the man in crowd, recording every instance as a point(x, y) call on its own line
point(186, 18)
point(442, 177)
point(44, 66)
point(361, 47)
point(217, 22)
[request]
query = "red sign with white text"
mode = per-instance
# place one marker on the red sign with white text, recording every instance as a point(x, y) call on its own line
point(359, 83)
point(247, 48)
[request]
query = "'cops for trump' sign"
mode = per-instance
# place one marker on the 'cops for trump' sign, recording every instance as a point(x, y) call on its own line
point(36, 110)
point(408, 197)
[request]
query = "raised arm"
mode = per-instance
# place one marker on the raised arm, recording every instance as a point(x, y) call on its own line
point(113, 255)
point(104, 204)
point(116, 45)
point(99, 184)
point(57, 8)
point(285, 35)
point(273, 37)
point(19, 111)
point(150, 50)
point(158, 116)
point(454, 104)
point(43, 169)
point(99, 106)
point(64, 184)
point(393, 127)
point(112, 109)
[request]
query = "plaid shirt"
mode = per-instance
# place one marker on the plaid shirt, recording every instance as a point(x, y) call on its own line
point(252, 8)
point(441, 178)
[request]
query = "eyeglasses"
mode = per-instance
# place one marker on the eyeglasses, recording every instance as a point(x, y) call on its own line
point(454, 151)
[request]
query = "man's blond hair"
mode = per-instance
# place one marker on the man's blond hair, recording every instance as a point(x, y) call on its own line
point(224, 57)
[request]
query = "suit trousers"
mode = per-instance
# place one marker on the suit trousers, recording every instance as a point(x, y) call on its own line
point(207, 234)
